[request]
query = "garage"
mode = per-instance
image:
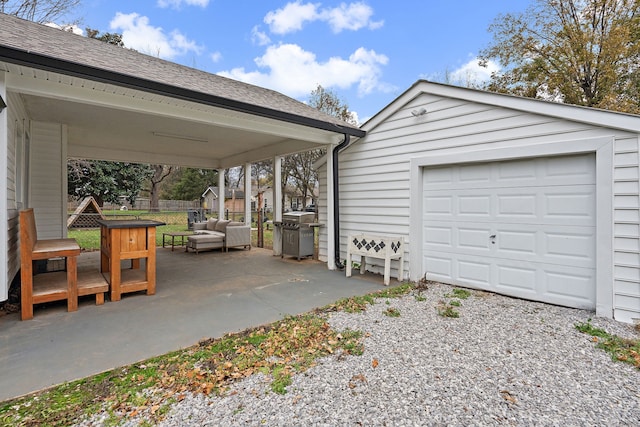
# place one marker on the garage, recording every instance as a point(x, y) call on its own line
point(525, 228)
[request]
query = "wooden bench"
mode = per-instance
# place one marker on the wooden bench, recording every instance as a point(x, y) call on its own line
point(382, 247)
point(55, 286)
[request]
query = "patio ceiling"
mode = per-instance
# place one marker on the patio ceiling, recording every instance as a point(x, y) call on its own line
point(109, 122)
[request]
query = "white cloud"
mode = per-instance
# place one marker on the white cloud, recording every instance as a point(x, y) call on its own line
point(259, 37)
point(352, 17)
point(216, 56)
point(139, 34)
point(362, 68)
point(70, 28)
point(176, 4)
point(472, 73)
point(293, 16)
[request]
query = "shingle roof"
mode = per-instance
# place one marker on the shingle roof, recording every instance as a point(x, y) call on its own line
point(39, 46)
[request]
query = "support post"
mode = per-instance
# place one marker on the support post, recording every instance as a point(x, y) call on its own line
point(277, 205)
point(331, 263)
point(221, 193)
point(247, 194)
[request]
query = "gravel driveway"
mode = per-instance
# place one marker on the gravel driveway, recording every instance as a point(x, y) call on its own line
point(504, 361)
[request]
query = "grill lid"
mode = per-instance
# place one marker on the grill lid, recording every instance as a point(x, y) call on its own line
point(298, 217)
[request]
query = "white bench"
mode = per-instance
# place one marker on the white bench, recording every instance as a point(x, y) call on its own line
point(381, 247)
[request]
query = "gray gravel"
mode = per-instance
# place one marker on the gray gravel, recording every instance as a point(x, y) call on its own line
point(504, 361)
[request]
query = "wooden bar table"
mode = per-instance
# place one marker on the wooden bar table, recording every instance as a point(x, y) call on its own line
point(128, 239)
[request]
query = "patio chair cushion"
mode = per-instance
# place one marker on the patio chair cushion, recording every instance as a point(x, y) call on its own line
point(211, 224)
point(221, 225)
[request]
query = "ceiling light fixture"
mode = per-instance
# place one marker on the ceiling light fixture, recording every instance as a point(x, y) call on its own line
point(420, 112)
point(175, 136)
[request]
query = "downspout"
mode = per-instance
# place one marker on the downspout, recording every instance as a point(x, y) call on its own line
point(336, 201)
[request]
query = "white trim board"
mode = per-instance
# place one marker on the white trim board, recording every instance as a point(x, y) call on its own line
point(603, 149)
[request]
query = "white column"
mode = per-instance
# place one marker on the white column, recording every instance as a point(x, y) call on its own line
point(331, 262)
point(221, 192)
point(277, 205)
point(247, 194)
point(4, 215)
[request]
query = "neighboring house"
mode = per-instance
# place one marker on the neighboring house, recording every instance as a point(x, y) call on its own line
point(267, 198)
point(69, 96)
point(295, 201)
point(233, 200)
point(527, 198)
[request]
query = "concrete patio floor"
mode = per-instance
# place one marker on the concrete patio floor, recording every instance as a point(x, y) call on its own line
point(198, 296)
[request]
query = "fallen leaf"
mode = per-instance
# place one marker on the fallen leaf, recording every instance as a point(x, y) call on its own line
point(374, 363)
point(506, 395)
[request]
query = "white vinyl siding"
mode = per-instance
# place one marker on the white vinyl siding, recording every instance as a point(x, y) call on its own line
point(375, 171)
point(626, 229)
point(47, 179)
point(15, 132)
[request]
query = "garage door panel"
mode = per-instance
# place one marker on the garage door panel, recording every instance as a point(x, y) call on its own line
point(544, 282)
point(516, 277)
point(517, 242)
point(565, 247)
point(521, 172)
point(567, 205)
point(438, 236)
point(577, 288)
point(439, 205)
point(474, 175)
point(572, 205)
point(476, 239)
point(523, 228)
point(473, 205)
point(474, 271)
point(568, 170)
point(562, 245)
point(550, 171)
point(439, 267)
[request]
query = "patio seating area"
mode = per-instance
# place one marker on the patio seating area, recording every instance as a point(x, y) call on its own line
point(197, 297)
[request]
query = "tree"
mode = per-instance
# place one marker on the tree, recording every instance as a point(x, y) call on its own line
point(105, 181)
point(160, 172)
point(42, 11)
point(191, 183)
point(109, 38)
point(328, 102)
point(583, 52)
point(297, 169)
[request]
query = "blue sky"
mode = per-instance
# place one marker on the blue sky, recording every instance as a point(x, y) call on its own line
point(368, 52)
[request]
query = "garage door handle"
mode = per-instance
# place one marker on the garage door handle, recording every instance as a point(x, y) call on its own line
point(493, 239)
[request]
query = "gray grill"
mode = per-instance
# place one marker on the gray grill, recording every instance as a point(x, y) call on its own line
point(297, 235)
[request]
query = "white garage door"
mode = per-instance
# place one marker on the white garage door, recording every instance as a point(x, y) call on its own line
point(524, 228)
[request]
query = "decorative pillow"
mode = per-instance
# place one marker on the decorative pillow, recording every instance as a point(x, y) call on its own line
point(211, 224)
point(221, 226)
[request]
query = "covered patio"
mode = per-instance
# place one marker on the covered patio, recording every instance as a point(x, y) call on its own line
point(197, 297)
point(69, 96)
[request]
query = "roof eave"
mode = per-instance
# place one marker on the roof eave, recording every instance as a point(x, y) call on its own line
point(48, 63)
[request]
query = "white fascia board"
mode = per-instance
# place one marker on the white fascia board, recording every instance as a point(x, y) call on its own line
point(592, 116)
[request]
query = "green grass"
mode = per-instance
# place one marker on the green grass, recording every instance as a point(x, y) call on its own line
point(89, 239)
point(391, 312)
point(619, 349)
